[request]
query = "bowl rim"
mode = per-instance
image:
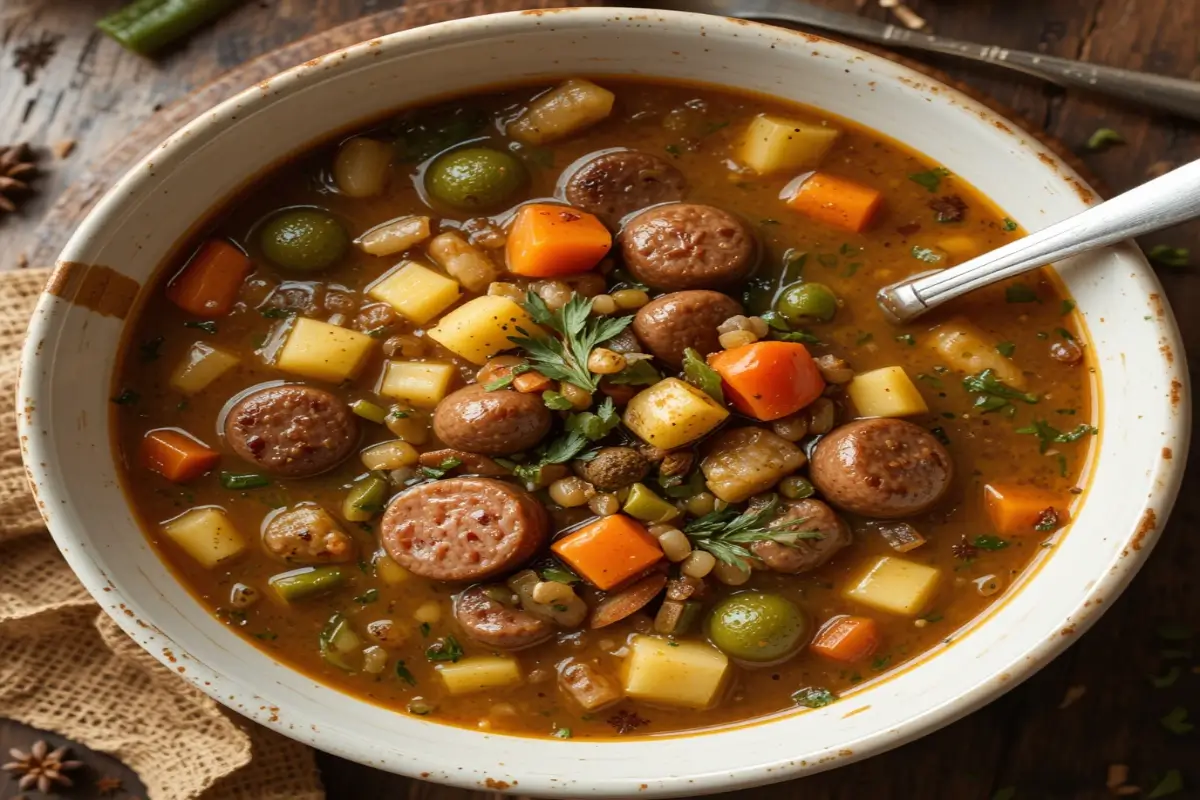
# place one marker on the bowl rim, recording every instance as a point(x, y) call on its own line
point(241, 695)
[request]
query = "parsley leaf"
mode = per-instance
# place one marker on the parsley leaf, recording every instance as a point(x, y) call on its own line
point(637, 373)
point(565, 358)
point(425, 628)
point(507, 378)
point(1006, 349)
point(1047, 434)
point(1171, 783)
point(813, 697)
point(1176, 721)
point(403, 674)
point(1068, 306)
point(725, 533)
point(989, 542)
point(930, 179)
point(555, 401)
point(558, 573)
point(562, 733)
point(369, 596)
point(702, 376)
point(207, 327)
point(1163, 681)
point(1020, 293)
point(447, 649)
point(441, 469)
point(581, 430)
point(926, 254)
point(1008, 224)
point(993, 393)
point(150, 348)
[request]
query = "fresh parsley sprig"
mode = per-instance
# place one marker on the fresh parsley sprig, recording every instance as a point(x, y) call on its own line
point(581, 430)
point(1047, 434)
point(726, 533)
point(993, 393)
point(565, 359)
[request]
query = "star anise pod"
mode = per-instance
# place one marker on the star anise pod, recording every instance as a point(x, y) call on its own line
point(964, 549)
point(16, 167)
point(626, 721)
point(41, 767)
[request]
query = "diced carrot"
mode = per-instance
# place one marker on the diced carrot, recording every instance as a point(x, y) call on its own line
point(846, 638)
point(836, 201)
point(1023, 510)
point(530, 382)
point(769, 380)
point(609, 551)
point(208, 285)
point(548, 240)
point(176, 456)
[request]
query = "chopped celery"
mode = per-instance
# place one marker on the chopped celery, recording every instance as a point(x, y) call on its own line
point(369, 411)
point(645, 505)
point(365, 498)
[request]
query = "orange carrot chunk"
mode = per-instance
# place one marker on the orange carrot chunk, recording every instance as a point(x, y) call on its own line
point(176, 456)
point(846, 638)
point(609, 551)
point(768, 380)
point(836, 201)
point(1023, 510)
point(548, 240)
point(208, 285)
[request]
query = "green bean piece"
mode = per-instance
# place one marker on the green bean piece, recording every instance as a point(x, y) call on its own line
point(645, 505)
point(306, 582)
point(249, 480)
point(365, 498)
point(369, 411)
point(146, 26)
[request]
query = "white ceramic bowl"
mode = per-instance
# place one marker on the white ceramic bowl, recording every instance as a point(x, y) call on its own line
point(69, 360)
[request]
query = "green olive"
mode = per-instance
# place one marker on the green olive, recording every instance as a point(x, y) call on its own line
point(304, 239)
point(757, 627)
point(807, 302)
point(474, 179)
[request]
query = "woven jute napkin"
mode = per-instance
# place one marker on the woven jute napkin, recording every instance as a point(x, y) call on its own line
point(65, 666)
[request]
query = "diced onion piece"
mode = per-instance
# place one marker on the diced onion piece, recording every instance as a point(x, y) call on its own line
point(362, 167)
point(464, 262)
point(394, 236)
point(564, 110)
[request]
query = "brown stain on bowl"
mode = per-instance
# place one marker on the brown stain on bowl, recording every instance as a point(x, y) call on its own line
point(1176, 393)
point(1157, 304)
point(1167, 352)
point(499, 786)
point(1148, 523)
point(94, 287)
point(1167, 454)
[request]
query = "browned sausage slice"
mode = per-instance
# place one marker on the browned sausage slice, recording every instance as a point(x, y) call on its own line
point(620, 182)
point(463, 529)
point(617, 607)
point(884, 468)
point(670, 324)
point(292, 430)
point(493, 623)
point(497, 423)
point(806, 554)
point(472, 463)
point(687, 246)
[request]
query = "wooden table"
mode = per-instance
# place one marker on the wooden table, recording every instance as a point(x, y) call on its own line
point(92, 93)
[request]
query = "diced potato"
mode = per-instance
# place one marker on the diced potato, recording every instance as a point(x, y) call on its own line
point(478, 673)
point(672, 413)
point(960, 248)
point(415, 291)
point(775, 144)
point(421, 383)
point(886, 392)
point(465, 262)
point(745, 461)
point(206, 534)
point(324, 352)
point(895, 585)
point(394, 236)
point(562, 111)
point(967, 349)
point(685, 673)
point(392, 573)
point(479, 328)
point(202, 365)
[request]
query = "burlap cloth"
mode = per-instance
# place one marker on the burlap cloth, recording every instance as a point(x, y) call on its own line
point(65, 666)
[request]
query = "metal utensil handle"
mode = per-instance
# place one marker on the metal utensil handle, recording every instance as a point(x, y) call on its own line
point(1164, 201)
point(1178, 95)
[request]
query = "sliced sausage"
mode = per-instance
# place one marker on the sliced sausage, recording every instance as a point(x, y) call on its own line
point(805, 554)
point(617, 607)
point(495, 624)
point(472, 463)
point(670, 324)
point(497, 423)
point(613, 468)
point(884, 468)
point(463, 529)
point(292, 430)
point(587, 685)
point(306, 534)
point(687, 246)
point(620, 182)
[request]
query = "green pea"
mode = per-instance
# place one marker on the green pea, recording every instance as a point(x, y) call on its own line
point(795, 487)
point(757, 627)
point(304, 239)
point(807, 302)
point(475, 179)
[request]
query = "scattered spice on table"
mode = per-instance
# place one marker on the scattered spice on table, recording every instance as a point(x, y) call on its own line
point(32, 56)
point(17, 166)
point(41, 767)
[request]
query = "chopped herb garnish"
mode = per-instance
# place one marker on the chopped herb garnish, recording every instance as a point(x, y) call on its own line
point(827, 260)
point(1171, 783)
point(813, 697)
point(637, 373)
point(556, 401)
point(1104, 137)
point(565, 359)
point(403, 674)
point(424, 629)
point(1166, 256)
point(1008, 224)
point(1168, 679)
point(725, 533)
point(149, 349)
point(939, 433)
point(396, 413)
point(559, 574)
point(699, 374)
point(1176, 721)
point(930, 179)
point(248, 480)
point(989, 542)
point(851, 269)
point(673, 149)
point(127, 397)
point(266, 636)
point(1048, 434)
point(447, 649)
point(507, 378)
point(1047, 521)
point(926, 254)
point(1020, 293)
point(1062, 465)
point(369, 596)
point(906, 338)
point(1065, 334)
point(672, 644)
point(277, 313)
point(992, 393)
point(1006, 349)
point(1067, 307)
point(433, 473)
point(880, 662)
point(581, 430)
point(207, 327)
point(562, 733)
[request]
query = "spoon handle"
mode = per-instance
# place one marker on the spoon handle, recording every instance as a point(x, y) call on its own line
point(1160, 203)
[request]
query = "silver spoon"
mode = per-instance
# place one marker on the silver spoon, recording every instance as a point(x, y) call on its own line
point(1160, 203)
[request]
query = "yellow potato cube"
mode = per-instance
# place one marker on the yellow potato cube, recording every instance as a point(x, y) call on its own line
point(688, 674)
point(325, 352)
point(202, 365)
point(672, 413)
point(895, 585)
point(420, 383)
point(479, 328)
point(206, 534)
point(960, 248)
point(416, 292)
point(392, 573)
point(478, 673)
point(886, 392)
point(775, 144)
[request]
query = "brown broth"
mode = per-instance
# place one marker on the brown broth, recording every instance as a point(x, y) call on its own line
point(698, 128)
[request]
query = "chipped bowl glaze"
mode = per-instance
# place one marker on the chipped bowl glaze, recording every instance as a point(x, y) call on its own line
point(71, 354)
